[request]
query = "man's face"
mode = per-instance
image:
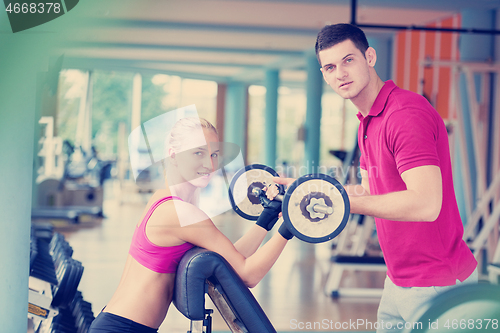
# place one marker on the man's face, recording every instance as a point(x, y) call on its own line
point(346, 69)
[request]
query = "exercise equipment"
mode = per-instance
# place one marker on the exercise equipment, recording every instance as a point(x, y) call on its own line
point(50, 152)
point(71, 214)
point(349, 251)
point(350, 254)
point(69, 178)
point(68, 270)
point(474, 116)
point(55, 304)
point(469, 307)
point(76, 318)
point(353, 263)
point(70, 181)
point(42, 277)
point(203, 272)
point(315, 207)
point(494, 273)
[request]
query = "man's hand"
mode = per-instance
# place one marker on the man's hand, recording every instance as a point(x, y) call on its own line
point(273, 191)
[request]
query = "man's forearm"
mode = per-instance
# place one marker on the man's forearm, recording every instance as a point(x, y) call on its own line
point(396, 206)
point(356, 190)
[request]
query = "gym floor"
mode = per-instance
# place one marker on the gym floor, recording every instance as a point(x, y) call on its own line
point(292, 293)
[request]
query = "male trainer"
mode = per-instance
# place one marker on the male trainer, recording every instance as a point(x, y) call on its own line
point(407, 182)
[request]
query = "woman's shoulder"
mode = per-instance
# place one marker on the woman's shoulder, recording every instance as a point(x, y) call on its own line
point(174, 211)
point(188, 213)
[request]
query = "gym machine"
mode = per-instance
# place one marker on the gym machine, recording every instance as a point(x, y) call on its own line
point(357, 235)
point(69, 181)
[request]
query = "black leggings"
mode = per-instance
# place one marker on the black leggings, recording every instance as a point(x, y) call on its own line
point(110, 323)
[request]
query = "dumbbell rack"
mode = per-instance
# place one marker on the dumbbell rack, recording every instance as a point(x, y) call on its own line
point(55, 304)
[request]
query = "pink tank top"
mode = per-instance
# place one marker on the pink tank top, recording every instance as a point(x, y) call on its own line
point(159, 259)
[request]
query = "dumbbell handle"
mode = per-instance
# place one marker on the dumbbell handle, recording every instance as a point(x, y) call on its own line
point(323, 209)
point(257, 191)
point(318, 208)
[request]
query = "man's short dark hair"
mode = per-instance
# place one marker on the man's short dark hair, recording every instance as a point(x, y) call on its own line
point(334, 34)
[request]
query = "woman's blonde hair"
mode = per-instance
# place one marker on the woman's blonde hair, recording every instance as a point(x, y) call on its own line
point(183, 129)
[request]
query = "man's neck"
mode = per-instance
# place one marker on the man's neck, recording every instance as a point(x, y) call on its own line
point(365, 100)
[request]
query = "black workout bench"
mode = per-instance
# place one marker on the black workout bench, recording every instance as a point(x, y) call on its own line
point(203, 272)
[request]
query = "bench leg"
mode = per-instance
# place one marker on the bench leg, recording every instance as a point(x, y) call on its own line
point(198, 326)
point(332, 285)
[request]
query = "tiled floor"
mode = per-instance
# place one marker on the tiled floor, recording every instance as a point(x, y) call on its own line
point(291, 294)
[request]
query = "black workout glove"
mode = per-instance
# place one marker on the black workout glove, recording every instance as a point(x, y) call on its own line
point(283, 230)
point(269, 215)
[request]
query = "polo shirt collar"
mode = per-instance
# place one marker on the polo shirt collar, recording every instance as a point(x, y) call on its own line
point(379, 104)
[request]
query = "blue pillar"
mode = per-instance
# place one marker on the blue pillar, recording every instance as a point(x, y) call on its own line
point(235, 127)
point(19, 62)
point(457, 182)
point(271, 117)
point(383, 47)
point(314, 91)
point(45, 106)
point(493, 113)
point(473, 48)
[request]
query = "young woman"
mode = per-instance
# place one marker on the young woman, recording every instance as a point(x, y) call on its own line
point(171, 225)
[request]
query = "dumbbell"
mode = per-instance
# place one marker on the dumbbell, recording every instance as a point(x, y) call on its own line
point(43, 266)
point(315, 207)
point(68, 272)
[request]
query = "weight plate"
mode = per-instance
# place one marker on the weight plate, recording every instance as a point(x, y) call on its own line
point(298, 219)
point(240, 189)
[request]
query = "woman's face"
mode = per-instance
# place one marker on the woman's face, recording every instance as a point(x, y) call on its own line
point(197, 165)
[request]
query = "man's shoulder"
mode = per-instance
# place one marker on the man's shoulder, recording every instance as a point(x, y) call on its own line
point(405, 102)
point(409, 98)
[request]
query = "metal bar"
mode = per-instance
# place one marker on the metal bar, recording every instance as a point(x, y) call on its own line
point(454, 57)
point(496, 141)
point(363, 267)
point(482, 206)
point(485, 231)
point(161, 62)
point(176, 25)
point(271, 116)
point(318, 208)
point(475, 133)
point(195, 26)
point(353, 11)
point(225, 309)
point(496, 255)
point(421, 56)
point(474, 66)
point(407, 71)
point(191, 48)
point(493, 273)
point(463, 145)
point(435, 72)
point(415, 27)
point(360, 292)
point(81, 111)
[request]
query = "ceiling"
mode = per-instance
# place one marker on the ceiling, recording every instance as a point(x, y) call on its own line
point(228, 40)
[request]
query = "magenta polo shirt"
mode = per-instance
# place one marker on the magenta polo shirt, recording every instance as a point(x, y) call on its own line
point(403, 131)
